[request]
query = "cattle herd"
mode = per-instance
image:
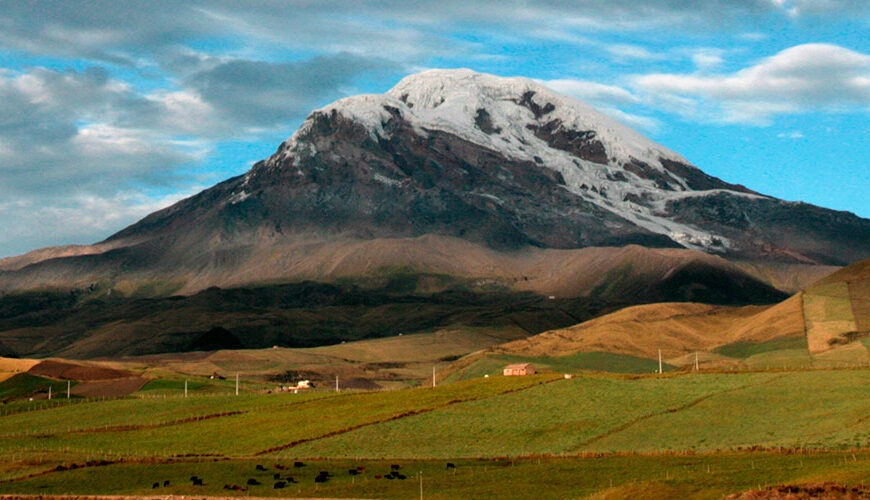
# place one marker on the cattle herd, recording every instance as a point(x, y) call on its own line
point(282, 480)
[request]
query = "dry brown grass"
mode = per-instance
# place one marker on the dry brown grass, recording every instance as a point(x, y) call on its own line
point(17, 365)
point(677, 329)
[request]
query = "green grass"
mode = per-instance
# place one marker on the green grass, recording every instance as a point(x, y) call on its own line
point(175, 386)
point(268, 421)
point(684, 422)
point(24, 385)
point(573, 363)
point(691, 477)
point(746, 349)
point(568, 416)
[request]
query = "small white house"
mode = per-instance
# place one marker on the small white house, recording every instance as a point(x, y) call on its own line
point(519, 369)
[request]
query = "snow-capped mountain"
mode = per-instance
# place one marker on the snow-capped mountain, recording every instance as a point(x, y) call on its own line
point(594, 157)
point(501, 165)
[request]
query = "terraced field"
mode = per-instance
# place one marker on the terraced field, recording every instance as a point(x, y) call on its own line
point(692, 435)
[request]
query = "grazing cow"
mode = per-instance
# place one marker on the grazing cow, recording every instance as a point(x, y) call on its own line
point(394, 467)
point(279, 485)
point(280, 467)
point(379, 476)
point(166, 483)
point(276, 476)
point(155, 485)
point(298, 464)
point(253, 482)
point(401, 476)
point(353, 472)
point(227, 487)
point(451, 466)
point(260, 467)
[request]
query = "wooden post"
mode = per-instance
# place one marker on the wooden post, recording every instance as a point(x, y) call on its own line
point(421, 484)
point(336, 383)
point(433, 376)
point(67, 388)
point(237, 383)
point(660, 361)
point(185, 388)
point(49, 393)
point(696, 361)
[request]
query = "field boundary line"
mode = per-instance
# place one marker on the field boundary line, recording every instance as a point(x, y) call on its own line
point(674, 409)
point(396, 417)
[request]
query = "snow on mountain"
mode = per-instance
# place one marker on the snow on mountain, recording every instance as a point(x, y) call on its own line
point(601, 160)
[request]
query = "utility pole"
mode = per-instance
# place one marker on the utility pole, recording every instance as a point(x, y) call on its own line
point(421, 484)
point(433, 376)
point(696, 361)
point(237, 383)
point(660, 361)
point(185, 388)
point(49, 393)
point(67, 388)
point(336, 383)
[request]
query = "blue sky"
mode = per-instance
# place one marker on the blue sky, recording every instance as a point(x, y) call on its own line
point(110, 110)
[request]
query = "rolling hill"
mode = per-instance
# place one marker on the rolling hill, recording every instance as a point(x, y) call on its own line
point(826, 324)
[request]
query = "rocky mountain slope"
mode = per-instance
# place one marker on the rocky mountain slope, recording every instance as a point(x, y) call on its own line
point(451, 171)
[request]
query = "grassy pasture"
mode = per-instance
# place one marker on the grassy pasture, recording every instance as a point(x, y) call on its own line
point(609, 477)
point(572, 363)
point(264, 421)
point(673, 435)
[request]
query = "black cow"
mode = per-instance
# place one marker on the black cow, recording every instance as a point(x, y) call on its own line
point(253, 482)
point(298, 464)
point(260, 467)
point(279, 485)
point(353, 472)
point(394, 467)
point(166, 483)
point(451, 466)
point(155, 485)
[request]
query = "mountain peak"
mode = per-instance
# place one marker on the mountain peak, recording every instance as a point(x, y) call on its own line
point(596, 157)
point(493, 111)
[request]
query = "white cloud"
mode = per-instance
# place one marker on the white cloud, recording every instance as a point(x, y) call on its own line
point(811, 77)
point(79, 219)
point(796, 134)
point(609, 99)
point(626, 52)
point(707, 58)
point(592, 91)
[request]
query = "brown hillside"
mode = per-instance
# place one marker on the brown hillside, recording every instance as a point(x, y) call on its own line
point(64, 370)
point(633, 269)
point(675, 328)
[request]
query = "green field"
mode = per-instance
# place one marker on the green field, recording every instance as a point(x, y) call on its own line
point(582, 361)
point(680, 434)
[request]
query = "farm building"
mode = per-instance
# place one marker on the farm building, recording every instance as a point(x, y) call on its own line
point(519, 369)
